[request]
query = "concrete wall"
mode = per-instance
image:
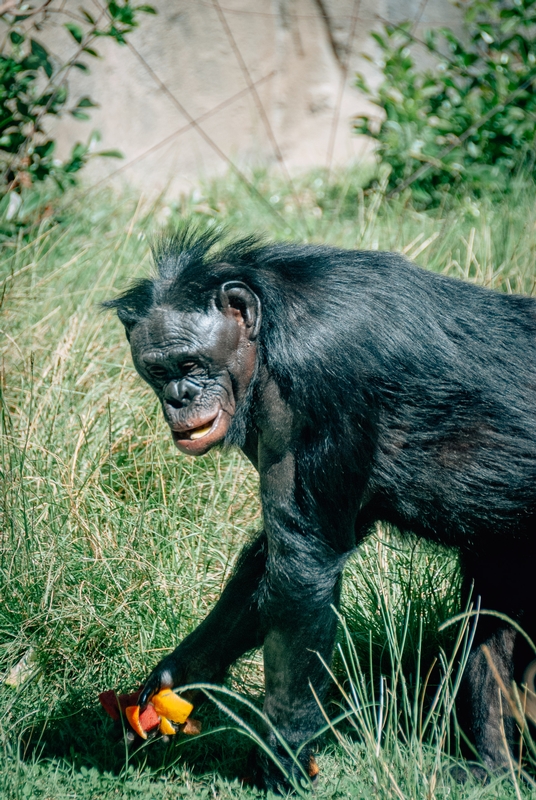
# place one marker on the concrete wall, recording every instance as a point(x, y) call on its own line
point(197, 60)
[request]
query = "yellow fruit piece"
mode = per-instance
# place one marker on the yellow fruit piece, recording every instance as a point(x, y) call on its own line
point(170, 705)
point(166, 727)
point(132, 713)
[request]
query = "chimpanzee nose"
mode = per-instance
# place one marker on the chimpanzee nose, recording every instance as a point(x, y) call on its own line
point(181, 393)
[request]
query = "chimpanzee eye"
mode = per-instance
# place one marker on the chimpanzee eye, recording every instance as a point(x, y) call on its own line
point(157, 373)
point(187, 366)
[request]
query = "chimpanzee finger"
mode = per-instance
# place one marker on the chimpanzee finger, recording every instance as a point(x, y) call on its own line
point(160, 678)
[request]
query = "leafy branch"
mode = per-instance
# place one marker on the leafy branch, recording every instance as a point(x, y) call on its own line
point(470, 121)
point(33, 87)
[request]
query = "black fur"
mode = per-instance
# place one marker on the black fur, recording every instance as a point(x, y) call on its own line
point(382, 392)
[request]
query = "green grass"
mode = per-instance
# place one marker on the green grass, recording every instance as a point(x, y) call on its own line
point(113, 546)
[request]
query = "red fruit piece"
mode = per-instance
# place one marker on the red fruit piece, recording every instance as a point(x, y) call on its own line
point(108, 701)
point(115, 705)
point(149, 719)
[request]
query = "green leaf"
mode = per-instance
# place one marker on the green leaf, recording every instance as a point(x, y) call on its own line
point(113, 9)
point(16, 38)
point(41, 55)
point(90, 51)
point(79, 151)
point(86, 102)
point(74, 166)
point(87, 16)
point(81, 66)
point(117, 34)
point(110, 153)
point(38, 50)
point(76, 32)
point(146, 9)
point(379, 39)
point(79, 114)
point(46, 150)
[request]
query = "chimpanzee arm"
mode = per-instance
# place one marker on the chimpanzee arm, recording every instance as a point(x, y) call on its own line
point(298, 592)
point(231, 629)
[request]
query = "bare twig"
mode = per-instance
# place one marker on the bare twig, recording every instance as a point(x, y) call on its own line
point(247, 76)
point(290, 15)
point(8, 6)
point(179, 132)
point(327, 24)
point(342, 84)
point(258, 102)
point(204, 135)
point(419, 14)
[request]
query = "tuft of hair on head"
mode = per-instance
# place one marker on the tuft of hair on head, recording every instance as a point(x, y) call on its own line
point(180, 257)
point(177, 249)
point(132, 304)
point(172, 252)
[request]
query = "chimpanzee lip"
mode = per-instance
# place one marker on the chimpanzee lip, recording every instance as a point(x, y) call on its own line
point(185, 434)
point(209, 433)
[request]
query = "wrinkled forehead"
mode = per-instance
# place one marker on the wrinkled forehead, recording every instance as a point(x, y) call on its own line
point(184, 332)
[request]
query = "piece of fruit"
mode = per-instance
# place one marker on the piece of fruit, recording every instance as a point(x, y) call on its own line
point(170, 705)
point(108, 701)
point(166, 727)
point(132, 713)
point(149, 719)
point(191, 727)
point(314, 769)
point(114, 704)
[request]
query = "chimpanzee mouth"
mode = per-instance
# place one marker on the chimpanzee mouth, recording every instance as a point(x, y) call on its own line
point(195, 433)
point(199, 440)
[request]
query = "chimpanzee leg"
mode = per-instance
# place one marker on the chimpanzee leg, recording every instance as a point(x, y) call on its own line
point(298, 645)
point(501, 584)
point(231, 629)
point(490, 721)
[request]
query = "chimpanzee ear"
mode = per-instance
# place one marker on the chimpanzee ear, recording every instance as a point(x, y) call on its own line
point(128, 321)
point(238, 296)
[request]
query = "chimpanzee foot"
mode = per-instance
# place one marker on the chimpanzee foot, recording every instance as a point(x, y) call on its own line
point(479, 772)
point(263, 773)
point(464, 772)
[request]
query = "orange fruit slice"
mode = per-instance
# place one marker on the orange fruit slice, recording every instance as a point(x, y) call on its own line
point(170, 705)
point(132, 713)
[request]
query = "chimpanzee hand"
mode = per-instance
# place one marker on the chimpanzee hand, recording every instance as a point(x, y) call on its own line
point(165, 675)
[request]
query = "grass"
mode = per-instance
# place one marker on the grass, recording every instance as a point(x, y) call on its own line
point(113, 546)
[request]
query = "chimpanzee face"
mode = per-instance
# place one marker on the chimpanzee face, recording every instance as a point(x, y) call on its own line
point(199, 364)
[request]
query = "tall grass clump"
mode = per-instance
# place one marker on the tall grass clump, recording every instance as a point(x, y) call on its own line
point(113, 546)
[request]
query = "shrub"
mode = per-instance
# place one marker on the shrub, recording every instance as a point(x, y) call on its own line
point(33, 87)
point(468, 121)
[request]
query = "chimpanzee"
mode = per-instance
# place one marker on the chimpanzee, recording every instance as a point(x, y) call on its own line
point(363, 389)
